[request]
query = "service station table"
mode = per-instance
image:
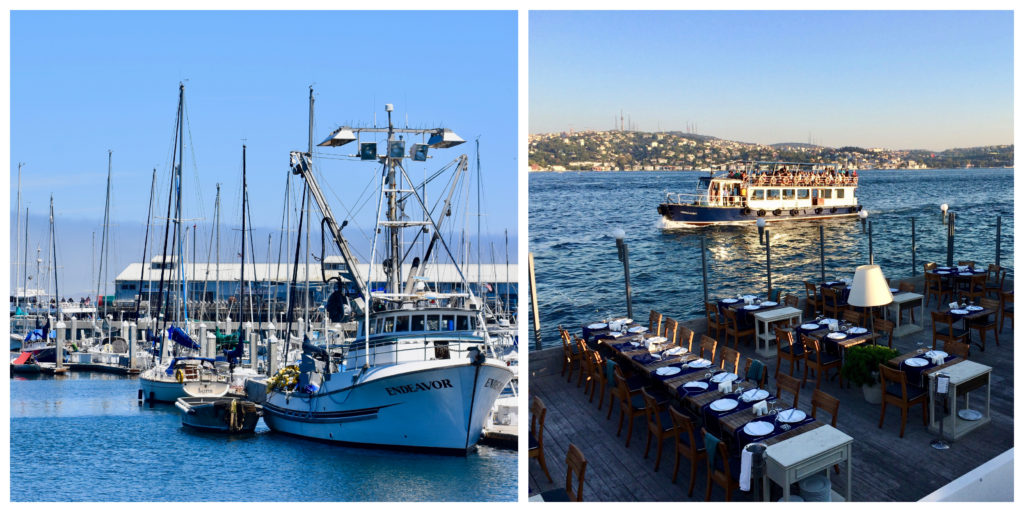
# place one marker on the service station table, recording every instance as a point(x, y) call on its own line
point(964, 377)
point(767, 318)
point(815, 451)
point(910, 299)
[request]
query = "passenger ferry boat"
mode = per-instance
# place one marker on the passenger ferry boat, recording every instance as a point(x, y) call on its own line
point(774, 191)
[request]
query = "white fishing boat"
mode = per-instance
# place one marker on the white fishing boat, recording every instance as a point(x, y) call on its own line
point(421, 373)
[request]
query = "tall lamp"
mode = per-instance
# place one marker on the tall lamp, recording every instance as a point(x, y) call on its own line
point(869, 290)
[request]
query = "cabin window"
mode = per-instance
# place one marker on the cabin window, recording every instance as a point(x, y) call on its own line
point(417, 323)
point(788, 193)
point(803, 193)
point(472, 322)
point(463, 324)
point(773, 193)
point(758, 194)
point(389, 324)
point(433, 322)
point(826, 193)
point(373, 327)
point(448, 322)
point(839, 193)
point(402, 324)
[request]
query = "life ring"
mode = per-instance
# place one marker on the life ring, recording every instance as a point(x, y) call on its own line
point(760, 213)
point(179, 376)
point(852, 209)
point(746, 211)
point(817, 211)
point(833, 210)
point(860, 207)
point(777, 212)
point(793, 212)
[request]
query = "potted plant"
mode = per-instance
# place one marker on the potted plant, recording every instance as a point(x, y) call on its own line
point(861, 368)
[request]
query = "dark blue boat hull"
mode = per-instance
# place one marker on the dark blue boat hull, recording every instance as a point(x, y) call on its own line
point(704, 215)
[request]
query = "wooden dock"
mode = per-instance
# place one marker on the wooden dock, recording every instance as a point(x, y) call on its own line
point(885, 467)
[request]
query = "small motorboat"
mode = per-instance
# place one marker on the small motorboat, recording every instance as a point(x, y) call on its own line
point(25, 363)
point(218, 414)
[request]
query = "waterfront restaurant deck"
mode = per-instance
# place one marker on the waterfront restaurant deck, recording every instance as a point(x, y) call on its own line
point(885, 467)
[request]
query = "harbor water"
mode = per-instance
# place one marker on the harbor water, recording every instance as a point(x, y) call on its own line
point(84, 437)
point(580, 279)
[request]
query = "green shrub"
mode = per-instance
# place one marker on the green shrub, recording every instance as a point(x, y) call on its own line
point(862, 363)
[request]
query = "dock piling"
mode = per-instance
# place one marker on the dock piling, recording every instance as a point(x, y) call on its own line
point(768, 255)
point(533, 303)
point(950, 231)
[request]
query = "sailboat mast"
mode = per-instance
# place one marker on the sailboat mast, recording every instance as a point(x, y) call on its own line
point(17, 232)
point(241, 280)
point(479, 286)
point(308, 299)
point(216, 286)
point(25, 259)
point(179, 212)
point(162, 311)
point(105, 237)
point(145, 245)
point(56, 285)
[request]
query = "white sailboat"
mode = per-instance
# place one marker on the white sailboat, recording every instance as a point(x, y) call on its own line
point(421, 373)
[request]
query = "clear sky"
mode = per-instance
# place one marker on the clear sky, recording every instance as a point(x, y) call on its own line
point(895, 79)
point(86, 82)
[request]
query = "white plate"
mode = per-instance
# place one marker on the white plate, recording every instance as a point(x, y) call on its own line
point(635, 343)
point(943, 268)
point(696, 385)
point(754, 394)
point(942, 272)
point(958, 311)
point(665, 371)
point(752, 307)
point(792, 416)
point(654, 340)
point(724, 377)
point(857, 330)
point(730, 301)
point(758, 428)
point(615, 334)
point(700, 363)
point(932, 353)
point(894, 290)
point(974, 308)
point(597, 326)
point(969, 414)
point(724, 404)
point(836, 336)
point(637, 329)
point(750, 297)
point(916, 362)
point(810, 327)
point(769, 303)
point(675, 351)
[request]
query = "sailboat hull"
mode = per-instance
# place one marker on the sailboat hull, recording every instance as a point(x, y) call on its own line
point(159, 390)
point(438, 405)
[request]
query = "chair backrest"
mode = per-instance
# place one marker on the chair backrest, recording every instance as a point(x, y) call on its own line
point(827, 402)
point(654, 323)
point(719, 451)
point(651, 410)
point(730, 319)
point(988, 303)
point(729, 357)
point(885, 326)
point(812, 291)
point(993, 272)
point(756, 372)
point(978, 282)
point(684, 337)
point(812, 349)
point(854, 317)
point(671, 327)
point(966, 262)
point(566, 340)
point(707, 347)
point(597, 366)
point(931, 265)
point(537, 413)
point(791, 300)
point(830, 295)
point(893, 376)
point(932, 282)
point(684, 426)
point(790, 384)
point(774, 294)
point(906, 286)
point(711, 313)
point(1006, 297)
point(576, 463)
point(939, 317)
point(957, 348)
point(620, 384)
point(783, 338)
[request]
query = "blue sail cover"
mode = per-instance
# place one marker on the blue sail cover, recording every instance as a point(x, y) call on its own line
point(181, 338)
point(236, 353)
point(37, 334)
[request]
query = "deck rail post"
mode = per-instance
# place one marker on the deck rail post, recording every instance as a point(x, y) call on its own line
point(950, 232)
point(821, 249)
point(533, 303)
point(871, 246)
point(704, 266)
point(913, 246)
point(999, 237)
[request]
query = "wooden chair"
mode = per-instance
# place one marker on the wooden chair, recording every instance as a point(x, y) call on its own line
point(791, 300)
point(983, 325)
point(994, 280)
point(832, 303)
point(819, 361)
point(907, 287)
point(1006, 298)
point(585, 370)
point(570, 353)
point(630, 405)
point(715, 324)
point(948, 332)
point(729, 359)
point(721, 470)
point(575, 463)
point(967, 263)
point(775, 295)
point(671, 328)
point(707, 348)
point(599, 378)
point(829, 404)
point(688, 444)
point(884, 326)
point(785, 349)
point(896, 391)
point(536, 440)
point(854, 317)
point(654, 323)
point(732, 327)
point(633, 384)
point(757, 373)
point(659, 425)
point(684, 337)
point(931, 265)
point(974, 288)
point(935, 286)
point(956, 348)
point(790, 384)
point(813, 301)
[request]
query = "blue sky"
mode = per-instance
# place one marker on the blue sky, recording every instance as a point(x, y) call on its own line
point(896, 79)
point(86, 82)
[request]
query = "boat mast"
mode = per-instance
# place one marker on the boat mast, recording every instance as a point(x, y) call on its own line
point(241, 280)
point(216, 286)
point(178, 211)
point(162, 310)
point(145, 245)
point(393, 259)
point(307, 300)
point(105, 236)
point(17, 231)
point(56, 285)
point(24, 270)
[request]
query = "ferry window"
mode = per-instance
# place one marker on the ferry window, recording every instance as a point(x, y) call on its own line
point(448, 323)
point(759, 194)
point(433, 322)
point(826, 193)
point(402, 324)
point(417, 323)
point(463, 324)
point(802, 193)
point(773, 193)
point(787, 193)
point(389, 324)
point(839, 193)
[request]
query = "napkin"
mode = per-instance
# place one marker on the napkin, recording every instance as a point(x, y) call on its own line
point(725, 387)
point(937, 359)
point(761, 408)
point(953, 305)
point(745, 463)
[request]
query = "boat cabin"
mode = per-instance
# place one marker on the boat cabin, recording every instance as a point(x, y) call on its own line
point(401, 336)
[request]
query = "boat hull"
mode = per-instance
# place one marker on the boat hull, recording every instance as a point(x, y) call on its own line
point(212, 414)
point(160, 390)
point(438, 405)
point(697, 215)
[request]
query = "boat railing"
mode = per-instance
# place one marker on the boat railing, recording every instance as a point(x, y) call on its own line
point(454, 346)
point(828, 180)
point(686, 198)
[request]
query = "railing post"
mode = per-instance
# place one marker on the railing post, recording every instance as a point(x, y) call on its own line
point(949, 239)
point(999, 237)
point(871, 246)
point(704, 265)
point(913, 247)
point(821, 249)
point(768, 255)
point(533, 302)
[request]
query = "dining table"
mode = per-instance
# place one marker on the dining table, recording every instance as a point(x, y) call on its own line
point(968, 313)
point(920, 365)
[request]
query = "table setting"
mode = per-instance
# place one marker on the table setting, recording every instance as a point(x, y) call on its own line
point(772, 424)
point(921, 360)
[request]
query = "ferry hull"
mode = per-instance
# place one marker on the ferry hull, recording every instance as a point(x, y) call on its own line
point(435, 405)
point(706, 215)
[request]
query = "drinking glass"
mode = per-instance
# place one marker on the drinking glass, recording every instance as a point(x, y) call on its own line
point(771, 407)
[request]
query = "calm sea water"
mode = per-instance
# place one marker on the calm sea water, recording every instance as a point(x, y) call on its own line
point(84, 438)
point(579, 277)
